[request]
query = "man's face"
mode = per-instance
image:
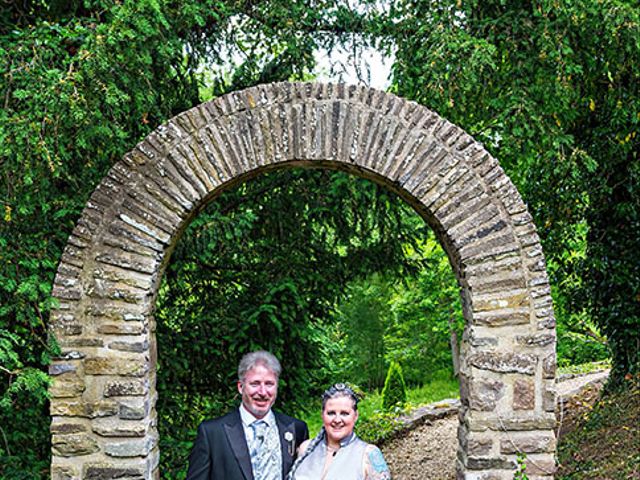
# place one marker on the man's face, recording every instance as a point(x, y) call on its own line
point(259, 390)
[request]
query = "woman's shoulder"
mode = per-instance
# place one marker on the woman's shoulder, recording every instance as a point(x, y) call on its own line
point(303, 447)
point(372, 451)
point(376, 467)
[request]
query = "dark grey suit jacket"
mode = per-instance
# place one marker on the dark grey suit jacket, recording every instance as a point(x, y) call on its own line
point(220, 451)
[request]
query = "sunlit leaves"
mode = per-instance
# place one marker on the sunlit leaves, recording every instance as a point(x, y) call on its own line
point(553, 94)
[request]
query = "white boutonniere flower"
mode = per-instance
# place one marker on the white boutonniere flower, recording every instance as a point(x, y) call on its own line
point(288, 436)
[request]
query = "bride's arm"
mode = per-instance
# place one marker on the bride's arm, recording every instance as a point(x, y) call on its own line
point(375, 468)
point(303, 447)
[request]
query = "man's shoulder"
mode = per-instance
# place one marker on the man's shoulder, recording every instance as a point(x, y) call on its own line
point(230, 417)
point(287, 419)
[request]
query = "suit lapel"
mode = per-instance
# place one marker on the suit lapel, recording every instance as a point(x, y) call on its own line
point(238, 442)
point(287, 434)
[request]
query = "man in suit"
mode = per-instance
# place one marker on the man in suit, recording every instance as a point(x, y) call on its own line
point(252, 442)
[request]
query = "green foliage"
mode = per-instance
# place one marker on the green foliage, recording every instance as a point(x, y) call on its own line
point(82, 82)
point(603, 440)
point(244, 277)
point(520, 473)
point(552, 90)
point(407, 319)
point(394, 393)
point(426, 312)
point(77, 92)
point(362, 319)
point(583, 368)
point(379, 427)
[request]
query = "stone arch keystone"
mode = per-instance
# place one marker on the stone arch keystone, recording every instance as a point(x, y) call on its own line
point(103, 395)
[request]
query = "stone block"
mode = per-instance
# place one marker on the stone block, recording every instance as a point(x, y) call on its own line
point(485, 394)
point(116, 366)
point(549, 399)
point(547, 323)
point(67, 385)
point(504, 362)
point(130, 346)
point(532, 443)
point(130, 261)
point(134, 411)
point(67, 293)
point(73, 256)
point(494, 248)
point(140, 234)
point(128, 449)
point(66, 329)
point(476, 341)
point(479, 446)
point(497, 283)
point(104, 312)
point(71, 270)
point(541, 468)
point(494, 475)
point(549, 366)
point(66, 428)
point(524, 395)
point(104, 289)
point(500, 463)
point(61, 368)
point(74, 445)
point(154, 225)
point(536, 422)
point(64, 472)
point(110, 427)
point(83, 409)
point(107, 471)
point(537, 340)
point(504, 317)
point(78, 342)
point(513, 300)
point(128, 328)
point(133, 387)
point(70, 355)
point(544, 312)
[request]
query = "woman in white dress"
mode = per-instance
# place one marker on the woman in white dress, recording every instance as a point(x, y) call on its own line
point(336, 453)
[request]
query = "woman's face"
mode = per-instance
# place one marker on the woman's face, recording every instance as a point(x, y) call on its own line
point(339, 417)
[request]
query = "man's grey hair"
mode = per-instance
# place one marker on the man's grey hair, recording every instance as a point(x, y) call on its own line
point(253, 359)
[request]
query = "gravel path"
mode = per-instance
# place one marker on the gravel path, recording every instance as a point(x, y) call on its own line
point(429, 451)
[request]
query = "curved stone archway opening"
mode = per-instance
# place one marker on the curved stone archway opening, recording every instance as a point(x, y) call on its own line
point(103, 391)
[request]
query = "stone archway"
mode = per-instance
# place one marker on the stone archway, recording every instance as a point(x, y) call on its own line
point(103, 391)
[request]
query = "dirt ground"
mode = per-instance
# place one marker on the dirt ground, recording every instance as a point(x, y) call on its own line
point(429, 451)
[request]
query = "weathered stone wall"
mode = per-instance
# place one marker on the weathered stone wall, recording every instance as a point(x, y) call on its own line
point(104, 423)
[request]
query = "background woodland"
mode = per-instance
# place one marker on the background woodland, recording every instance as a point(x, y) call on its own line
point(350, 279)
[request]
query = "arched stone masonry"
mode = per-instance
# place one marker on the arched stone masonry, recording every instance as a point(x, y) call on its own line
point(104, 423)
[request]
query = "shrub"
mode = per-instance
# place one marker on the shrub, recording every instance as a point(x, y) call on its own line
point(379, 428)
point(394, 393)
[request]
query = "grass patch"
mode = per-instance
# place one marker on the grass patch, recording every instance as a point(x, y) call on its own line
point(433, 391)
point(602, 441)
point(584, 368)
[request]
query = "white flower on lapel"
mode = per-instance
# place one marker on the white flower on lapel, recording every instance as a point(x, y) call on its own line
point(288, 436)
